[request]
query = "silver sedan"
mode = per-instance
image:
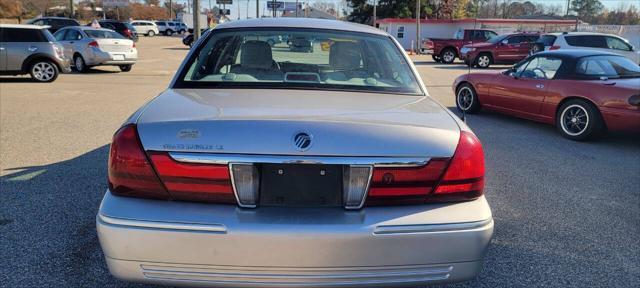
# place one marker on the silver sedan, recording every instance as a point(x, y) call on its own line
point(88, 47)
point(265, 167)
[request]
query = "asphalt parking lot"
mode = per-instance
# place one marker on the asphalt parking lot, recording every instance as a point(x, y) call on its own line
point(567, 214)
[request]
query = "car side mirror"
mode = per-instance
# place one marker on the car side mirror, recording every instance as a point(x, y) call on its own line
point(504, 42)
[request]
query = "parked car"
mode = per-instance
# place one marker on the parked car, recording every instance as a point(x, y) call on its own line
point(31, 49)
point(123, 28)
point(188, 39)
point(299, 44)
point(170, 27)
point(504, 49)
point(147, 28)
point(447, 50)
point(54, 23)
point(582, 92)
point(323, 169)
point(587, 41)
point(90, 47)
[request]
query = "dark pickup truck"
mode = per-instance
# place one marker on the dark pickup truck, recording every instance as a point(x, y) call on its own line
point(447, 50)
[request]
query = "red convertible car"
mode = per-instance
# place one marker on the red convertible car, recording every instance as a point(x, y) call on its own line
point(583, 93)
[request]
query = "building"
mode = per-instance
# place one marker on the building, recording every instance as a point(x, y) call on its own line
point(404, 30)
point(309, 12)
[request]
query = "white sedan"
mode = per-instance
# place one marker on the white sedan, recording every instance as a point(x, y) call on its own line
point(265, 167)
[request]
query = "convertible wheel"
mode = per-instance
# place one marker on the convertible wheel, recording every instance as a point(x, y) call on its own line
point(467, 99)
point(579, 120)
point(448, 56)
point(44, 71)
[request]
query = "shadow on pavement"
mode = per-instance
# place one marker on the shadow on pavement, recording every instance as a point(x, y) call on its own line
point(176, 48)
point(47, 224)
point(18, 79)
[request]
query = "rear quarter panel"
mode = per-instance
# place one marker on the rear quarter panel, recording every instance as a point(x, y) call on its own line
point(611, 101)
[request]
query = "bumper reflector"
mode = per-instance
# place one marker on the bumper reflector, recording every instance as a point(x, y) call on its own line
point(356, 179)
point(245, 180)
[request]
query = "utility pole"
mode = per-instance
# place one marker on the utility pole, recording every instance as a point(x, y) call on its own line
point(247, 9)
point(273, 8)
point(567, 14)
point(417, 27)
point(296, 8)
point(170, 10)
point(70, 8)
point(257, 9)
point(375, 12)
point(196, 20)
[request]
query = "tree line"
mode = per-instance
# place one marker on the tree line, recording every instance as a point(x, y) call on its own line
point(590, 11)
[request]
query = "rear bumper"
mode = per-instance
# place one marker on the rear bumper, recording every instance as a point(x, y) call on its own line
point(202, 244)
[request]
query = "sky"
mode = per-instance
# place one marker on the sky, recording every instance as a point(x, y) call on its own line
point(251, 5)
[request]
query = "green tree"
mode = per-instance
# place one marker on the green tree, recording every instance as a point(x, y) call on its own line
point(587, 9)
point(362, 10)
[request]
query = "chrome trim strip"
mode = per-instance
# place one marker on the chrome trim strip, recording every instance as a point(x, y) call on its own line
point(430, 228)
point(224, 159)
point(218, 228)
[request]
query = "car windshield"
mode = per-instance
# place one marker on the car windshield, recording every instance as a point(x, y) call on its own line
point(103, 34)
point(497, 38)
point(608, 66)
point(300, 58)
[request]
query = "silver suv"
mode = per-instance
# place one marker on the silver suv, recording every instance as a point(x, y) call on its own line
point(31, 49)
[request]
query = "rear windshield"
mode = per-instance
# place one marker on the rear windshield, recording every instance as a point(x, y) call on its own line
point(607, 66)
point(103, 34)
point(299, 58)
point(546, 40)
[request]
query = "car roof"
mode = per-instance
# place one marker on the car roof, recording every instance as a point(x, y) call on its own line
point(86, 28)
point(574, 54)
point(301, 23)
point(23, 26)
point(578, 33)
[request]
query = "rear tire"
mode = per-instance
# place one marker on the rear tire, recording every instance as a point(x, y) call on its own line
point(579, 120)
point(448, 56)
point(125, 68)
point(484, 60)
point(151, 34)
point(168, 32)
point(79, 64)
point(43, 71)
point(467, 99)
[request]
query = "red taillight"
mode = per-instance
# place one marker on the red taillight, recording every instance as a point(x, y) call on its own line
point(94, 44)
point(130, 173)
point(127, 33)
point(455, 179)
point(134, 45)
point(554, 47)
point(194, 182)
point(464, 178)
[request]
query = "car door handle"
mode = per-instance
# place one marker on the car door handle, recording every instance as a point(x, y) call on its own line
point(32, 48)
point(540, 86)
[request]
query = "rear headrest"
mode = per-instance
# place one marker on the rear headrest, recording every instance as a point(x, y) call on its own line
point(345, 55)
point(256, 54)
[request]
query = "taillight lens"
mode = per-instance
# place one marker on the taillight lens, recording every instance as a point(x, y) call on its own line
point(554, 47)
point(464, 178)
point(127, 33)
point(194, 181)
point(94, 44)
point(455, 179)
point(130, 173)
